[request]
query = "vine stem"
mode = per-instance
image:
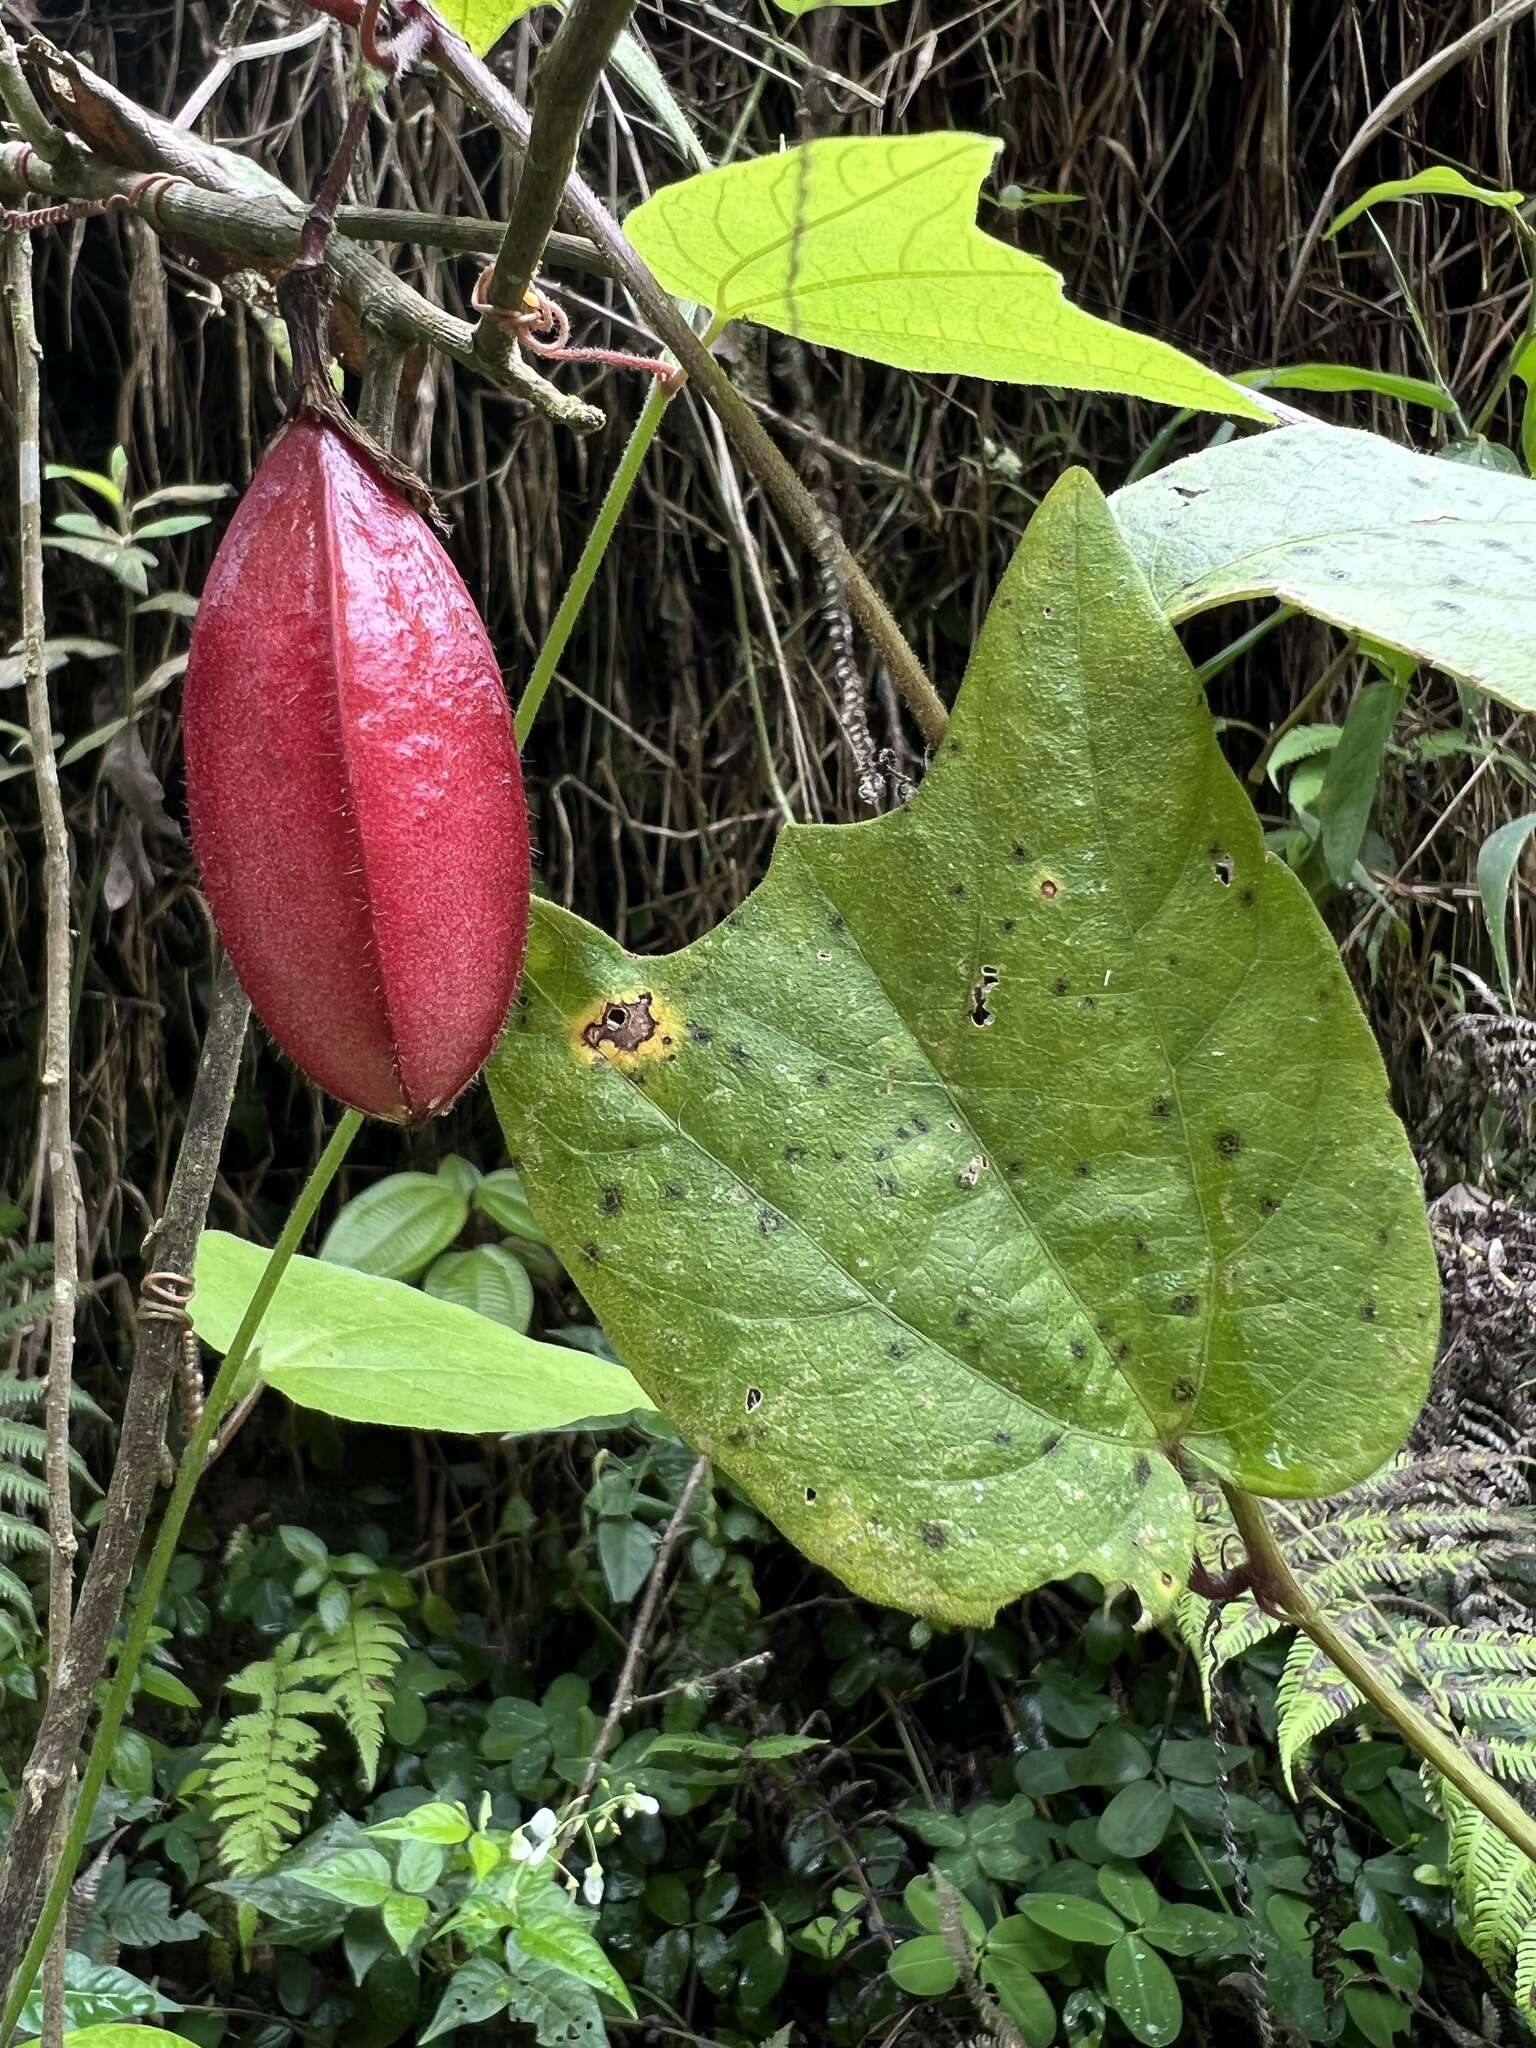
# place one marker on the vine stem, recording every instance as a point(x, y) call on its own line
point(615, 498)
point(220, 1396)
point(1274, 1579)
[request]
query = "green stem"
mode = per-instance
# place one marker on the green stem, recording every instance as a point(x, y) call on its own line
point(1436, 1744)
point(220, 1395)
point(615, 498)
point(1313, 697)
point(1234, 650)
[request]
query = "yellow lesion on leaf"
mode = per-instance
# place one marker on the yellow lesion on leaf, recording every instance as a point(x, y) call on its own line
point(628, 1028)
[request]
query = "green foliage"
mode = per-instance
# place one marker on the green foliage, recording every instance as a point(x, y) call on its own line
point(1440, 181)
point(1433, 559)
point(23, 1444)
point(259, 1789)
point(373, 1350)
point(1378, 1561)
point(870, 244)
point(356, 1664)
point(1497, 861)
point(1070, 1103)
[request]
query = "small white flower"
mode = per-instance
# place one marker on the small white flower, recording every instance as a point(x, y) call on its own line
point(592, 1885)
point(543, 1824)
point(642, 1802)
point(520, 1849)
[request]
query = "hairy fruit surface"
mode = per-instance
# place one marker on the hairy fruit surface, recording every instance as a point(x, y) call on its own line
point(353, 784)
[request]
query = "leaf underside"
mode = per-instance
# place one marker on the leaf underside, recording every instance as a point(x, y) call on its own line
point(1432, 558)
point(999, 1148)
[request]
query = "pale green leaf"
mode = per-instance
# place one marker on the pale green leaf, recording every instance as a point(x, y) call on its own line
point(124, 2034)
point(404, 1917)
point(1439, 181)
point(398, 1226)
point(372, 1350)
point(502, 1196)
point(1432, 559)
point(1497, 861)
point(870, 244)
point(984, 1155)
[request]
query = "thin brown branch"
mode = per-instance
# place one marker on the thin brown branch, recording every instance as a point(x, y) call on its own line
point(21, 104)
point(45, 1779)
point(564, 83)
point(262, 224)
point(63, 1189)
point(640, 1633)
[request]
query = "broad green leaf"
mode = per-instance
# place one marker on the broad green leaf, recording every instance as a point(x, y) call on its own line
point(477, 1991)
point(404, 1917)
point(1524, 367)
point(870, 244)
point(923, 1966)
point(1024, 1998)
point(398, 1226)
point(984, 1155)
point(1136, 1819)
point(1433, 559)
point(1083, 1921)
point(435, 1821)
point(96, 1994)
point(502, 1196)
point(488, 1280)
point(563, 1943)
point(1497, 860)
point(1343, 804)
point(1142, 1990)
point(1347, 377)
point(1439, 181)
point(372, 1350)
point(1133, 1896)
point(358, 1877)
point(1194, 1930)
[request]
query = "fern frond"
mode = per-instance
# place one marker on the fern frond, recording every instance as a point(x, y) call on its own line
point(13, 1590)
point(258, 1793)
point(359, 1660)
point(25, 1265)
point(22, 1489)
point(16, 1533)
point(1313, 1696)
point(1495, 1887)
point(21, 1315)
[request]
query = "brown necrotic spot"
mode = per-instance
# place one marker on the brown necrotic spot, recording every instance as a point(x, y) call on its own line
point(701, 1034)
point(935, 1535)
point(964, 1317)
point(613, 1201)
point(1061, 986)
point(896, 1350)
point(739, 1054)
point(591, 1253)
point(794, 1153)
point(1367, 1310)
point(810, 1496)
point(886, 1183)
point(1003, 1438)
point(1142, 1470)
point(1050, 1444)
point(768, 1221)
point(1229, 1144)
point(1050, 888)
point(1185, 1304)
point(1078, 1348)
point(672, 1192)
point(1183, 1391)
point(754, 1400)
point(623, 1025)
point(1162, 1107)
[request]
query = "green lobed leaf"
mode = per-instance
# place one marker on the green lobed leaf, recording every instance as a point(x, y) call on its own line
point(1439, 181)
point(1433, 559)
point(372, 1350)
point(398, 1226)
point(988, 1151)
point(870, 244)
point(1497, 859)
